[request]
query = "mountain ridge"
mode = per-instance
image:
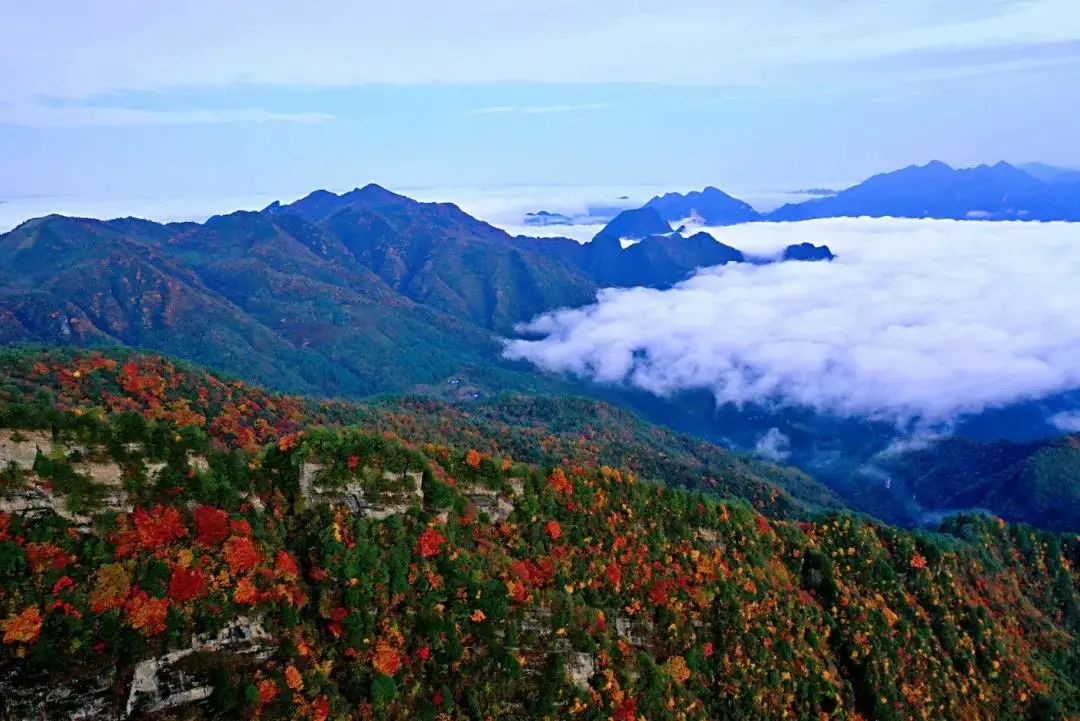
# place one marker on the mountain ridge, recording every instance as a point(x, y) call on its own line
point(1001, 191)
point(711, 205)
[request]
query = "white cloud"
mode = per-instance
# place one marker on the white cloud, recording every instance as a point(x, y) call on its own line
point(539, 109)
point(909, 444)
point(580, 233)
point(1068, 421)
point(774, 446)
point(69, 116)
point(915, 318)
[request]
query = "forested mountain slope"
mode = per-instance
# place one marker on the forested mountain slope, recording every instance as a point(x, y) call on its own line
point(379, 296)
point(353, 294)
point(542, 430)
point(173, 545)
point(1039, 479)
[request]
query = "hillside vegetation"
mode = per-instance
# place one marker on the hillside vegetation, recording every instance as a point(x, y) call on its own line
point(1035, 480)
point(542, 430)
point(175, 545)
point(379, 295)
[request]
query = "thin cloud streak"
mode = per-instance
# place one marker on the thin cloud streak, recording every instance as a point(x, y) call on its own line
point(1067, 421)
point(44, 116)
point(538, 109)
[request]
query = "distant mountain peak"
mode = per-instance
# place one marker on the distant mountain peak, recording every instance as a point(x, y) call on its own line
point(807, 252)
point(320, 194)
point(376, 193)
point(320, 204)
point(635, 223)
point(934, 165)
point(546, 217)
point(713, 206)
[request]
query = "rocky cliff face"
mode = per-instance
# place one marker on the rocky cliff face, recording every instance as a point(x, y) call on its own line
point(178, 679)
point(23, 454)
point(167, 683)
point(373, 494)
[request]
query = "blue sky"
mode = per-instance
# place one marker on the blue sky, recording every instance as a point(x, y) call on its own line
point(120, 100)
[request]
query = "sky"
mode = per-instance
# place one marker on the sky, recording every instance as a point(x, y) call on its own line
point(181, 107)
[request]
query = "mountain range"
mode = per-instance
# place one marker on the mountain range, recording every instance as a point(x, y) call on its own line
point(936, 190)
point(370, 292)
point(640, 248)
point(323, 295)
point(1031, 191)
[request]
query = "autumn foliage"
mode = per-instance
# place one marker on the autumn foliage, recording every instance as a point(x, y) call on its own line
point(430, 542)
point(23, 627)
point(211, 525)
point(595, 596)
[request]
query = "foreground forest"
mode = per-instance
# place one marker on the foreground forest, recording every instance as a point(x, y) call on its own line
point(175, 545)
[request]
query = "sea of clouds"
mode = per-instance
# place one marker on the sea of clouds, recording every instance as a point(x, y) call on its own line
point(914, 320)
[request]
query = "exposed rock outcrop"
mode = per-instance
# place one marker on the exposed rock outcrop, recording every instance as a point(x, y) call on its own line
point(40, 698)
point(709, 536)
point(166, 682)
point(636, 631)
point(34, 496)
point(580, 666)
point(357, 496)
point(496, 505)
point(171, 681)
point(21, 447)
